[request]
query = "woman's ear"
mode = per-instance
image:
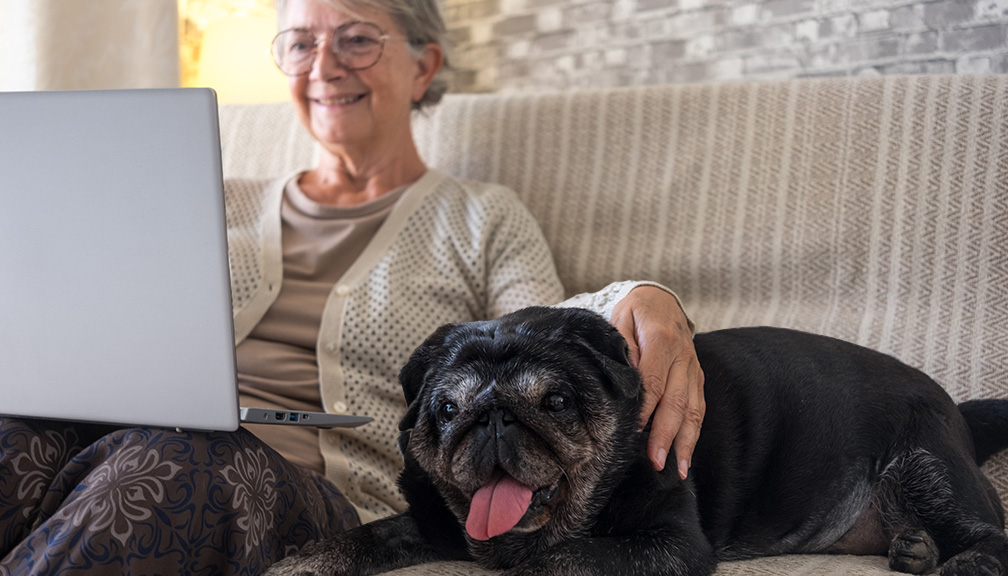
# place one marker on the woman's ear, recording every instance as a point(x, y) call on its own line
point(428, 65)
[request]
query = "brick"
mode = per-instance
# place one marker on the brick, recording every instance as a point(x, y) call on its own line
point(736, 40)
point(744, 15)
point(840, 27)
point(514, 70)
point(553, 41)
point(639, 57)
point(873, 21)
point(484, 9)
point(973, 65)
point(787, 8)
point(517, 49)
point(834, 6)
point(481, 32)
point(592, 60)
point(947, 13)
point(999, 63)
point(654, 28)
point(587, 13)
point(865, 49)
point(566, 63)
point(989, 37)
point(992, 9)
point(692, 72)
point(549, 20)
point(922, 43)
point(647, 5)
point(626, 30)
point(693, 4)
point(623, 9)
point(907, 18)
point(513, 6)
point(699, 47)
point(663, 51)
point(821, 56)
point(905, 68)
point(515, 25)
point(939, 67)
point(459, 35)
point(692, 23)
point(779, 36)
point(807, 30)
point(861, 5)
point(763, 63)
point(615, 57)
point(727, 69)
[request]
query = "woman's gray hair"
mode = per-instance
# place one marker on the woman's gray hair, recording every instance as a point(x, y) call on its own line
point(422, 23)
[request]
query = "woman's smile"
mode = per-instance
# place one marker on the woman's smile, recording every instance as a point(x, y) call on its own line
point(339, 100)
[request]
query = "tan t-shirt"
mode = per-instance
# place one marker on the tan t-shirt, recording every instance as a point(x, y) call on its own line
point(277, 364)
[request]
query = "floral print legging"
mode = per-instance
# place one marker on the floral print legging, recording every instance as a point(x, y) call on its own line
point(84, 499)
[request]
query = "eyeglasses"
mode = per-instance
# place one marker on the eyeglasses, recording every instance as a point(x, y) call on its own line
point(356, 45)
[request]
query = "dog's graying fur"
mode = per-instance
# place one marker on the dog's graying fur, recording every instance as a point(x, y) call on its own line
point(809, 445)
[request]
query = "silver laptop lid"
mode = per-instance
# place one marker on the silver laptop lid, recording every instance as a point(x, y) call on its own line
point(114, 287)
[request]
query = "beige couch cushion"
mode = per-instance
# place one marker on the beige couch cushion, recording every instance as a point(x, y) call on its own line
point(874, 210)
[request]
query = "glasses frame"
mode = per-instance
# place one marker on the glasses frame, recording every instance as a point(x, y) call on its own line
point(382, 37)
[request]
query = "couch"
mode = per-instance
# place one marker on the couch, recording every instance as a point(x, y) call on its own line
point(869, 209)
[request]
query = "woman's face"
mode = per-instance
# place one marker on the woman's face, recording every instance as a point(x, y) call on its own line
point(350, 110)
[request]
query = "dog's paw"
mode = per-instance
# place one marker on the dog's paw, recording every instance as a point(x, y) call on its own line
point(305, 563)
point(972, 563)
point(285, 568)
point(913, 552)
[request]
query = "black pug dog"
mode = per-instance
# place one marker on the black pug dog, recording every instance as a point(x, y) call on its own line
point(522, 452)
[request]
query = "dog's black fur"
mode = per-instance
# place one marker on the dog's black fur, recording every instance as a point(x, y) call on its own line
point(809, 445)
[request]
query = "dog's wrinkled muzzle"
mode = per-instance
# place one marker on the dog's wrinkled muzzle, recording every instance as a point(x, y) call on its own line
point(501, 503)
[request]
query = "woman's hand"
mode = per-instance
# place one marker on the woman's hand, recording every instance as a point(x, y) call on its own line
point(661, 347)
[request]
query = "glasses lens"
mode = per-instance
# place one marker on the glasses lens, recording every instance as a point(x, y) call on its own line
point(294, 51)
point(359, 45)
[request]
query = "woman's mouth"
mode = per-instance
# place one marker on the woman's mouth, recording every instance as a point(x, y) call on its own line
point(339, 100)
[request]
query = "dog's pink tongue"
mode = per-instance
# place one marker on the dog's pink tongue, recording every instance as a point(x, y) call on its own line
point(497, 507)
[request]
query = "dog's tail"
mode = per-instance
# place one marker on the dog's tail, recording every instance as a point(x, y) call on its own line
point(988, 422)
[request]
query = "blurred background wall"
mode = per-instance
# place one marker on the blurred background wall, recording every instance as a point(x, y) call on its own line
point(510, 45)
point(521, 45)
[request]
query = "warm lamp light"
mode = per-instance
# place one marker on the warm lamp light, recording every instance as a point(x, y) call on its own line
point(235, 61)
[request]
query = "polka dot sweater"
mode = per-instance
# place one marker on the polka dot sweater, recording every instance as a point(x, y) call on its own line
point(449, 251)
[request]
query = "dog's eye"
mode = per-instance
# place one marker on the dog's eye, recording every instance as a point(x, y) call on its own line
point(447, 411)
point(556, 402)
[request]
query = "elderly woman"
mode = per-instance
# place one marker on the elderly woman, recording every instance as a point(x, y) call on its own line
point(338, 273)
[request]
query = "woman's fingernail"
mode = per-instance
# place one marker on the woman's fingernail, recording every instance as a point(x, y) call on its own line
point(661, 456)
point(683, 469)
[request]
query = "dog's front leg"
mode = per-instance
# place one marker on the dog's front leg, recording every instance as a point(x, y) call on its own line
point(373, 548)
point(659, 552)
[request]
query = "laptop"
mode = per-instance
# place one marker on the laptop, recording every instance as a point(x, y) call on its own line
point(115, 297)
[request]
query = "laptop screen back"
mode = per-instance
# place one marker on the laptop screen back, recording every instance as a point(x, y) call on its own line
point(114, 285)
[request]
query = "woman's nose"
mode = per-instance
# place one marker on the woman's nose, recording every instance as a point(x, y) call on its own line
point(326, 65)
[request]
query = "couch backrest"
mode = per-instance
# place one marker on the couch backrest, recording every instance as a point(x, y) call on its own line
point(875, 210)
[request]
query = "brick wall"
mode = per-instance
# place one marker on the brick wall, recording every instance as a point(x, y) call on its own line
point(524, 45)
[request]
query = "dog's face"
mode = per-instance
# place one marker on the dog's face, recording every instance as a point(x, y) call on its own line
point(523, 423)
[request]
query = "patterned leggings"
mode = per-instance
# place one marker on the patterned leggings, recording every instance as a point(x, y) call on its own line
point(79, 499)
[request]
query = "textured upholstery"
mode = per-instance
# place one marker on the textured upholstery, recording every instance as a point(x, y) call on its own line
point(871, 209)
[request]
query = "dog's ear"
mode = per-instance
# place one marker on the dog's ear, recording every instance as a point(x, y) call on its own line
point(413, 376)
point(604, 345)
point(607, 347)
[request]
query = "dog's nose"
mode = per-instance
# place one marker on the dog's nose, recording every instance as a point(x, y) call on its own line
point(499, 417)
